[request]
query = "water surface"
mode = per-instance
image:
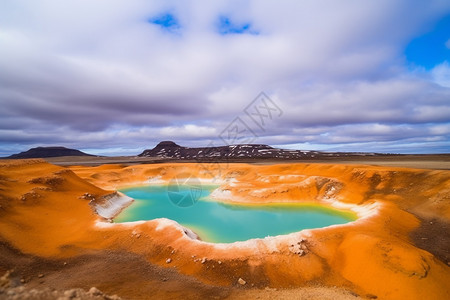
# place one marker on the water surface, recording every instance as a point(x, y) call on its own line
point(225, 223)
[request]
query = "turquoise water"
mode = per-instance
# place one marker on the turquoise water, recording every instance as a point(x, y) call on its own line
point(225, 223)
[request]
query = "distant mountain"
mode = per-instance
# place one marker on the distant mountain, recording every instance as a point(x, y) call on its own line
point(168, 149)
point(43, 152)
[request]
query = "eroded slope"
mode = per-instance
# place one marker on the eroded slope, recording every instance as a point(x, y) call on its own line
point(49, 212)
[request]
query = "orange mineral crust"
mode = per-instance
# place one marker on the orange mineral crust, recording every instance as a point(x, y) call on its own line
point(55, 212)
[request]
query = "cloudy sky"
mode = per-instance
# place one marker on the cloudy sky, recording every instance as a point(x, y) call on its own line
point(115, 77)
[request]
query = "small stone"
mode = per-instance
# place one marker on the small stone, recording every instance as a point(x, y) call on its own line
point(40, 275)
point(172, 252)
point(94, 291)
point(203, 260)
point(241, 281)
point(219, 262)
point(70, 293)
point(22, 280)
point(354, 294)
point(168, 261)
point(20, 289)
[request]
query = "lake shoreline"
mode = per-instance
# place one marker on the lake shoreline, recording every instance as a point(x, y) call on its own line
point(45, 214)
point(151, 197)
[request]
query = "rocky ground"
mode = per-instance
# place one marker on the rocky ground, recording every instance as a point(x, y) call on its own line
point(52, 242)
point(130, 276)
point(13, 290)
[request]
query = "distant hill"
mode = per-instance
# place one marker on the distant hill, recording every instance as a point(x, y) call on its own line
point(43, 152)
point(169, 149)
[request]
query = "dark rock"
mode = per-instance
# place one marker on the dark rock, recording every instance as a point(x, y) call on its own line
point(171, 150)
point(44, 152)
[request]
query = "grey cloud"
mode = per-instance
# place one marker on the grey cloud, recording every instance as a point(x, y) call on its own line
point(90, 72)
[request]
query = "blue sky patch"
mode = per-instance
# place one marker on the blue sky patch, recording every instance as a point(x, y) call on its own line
point(166, 21)
point(429, 49)
point(226, 26)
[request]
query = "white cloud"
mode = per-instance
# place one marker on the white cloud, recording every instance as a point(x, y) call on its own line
point(441, 74)
point(90, 67)
point(189, 131)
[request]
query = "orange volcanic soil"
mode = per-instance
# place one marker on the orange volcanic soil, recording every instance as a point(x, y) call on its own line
point(49, 212)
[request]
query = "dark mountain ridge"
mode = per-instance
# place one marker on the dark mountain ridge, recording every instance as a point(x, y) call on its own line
point(44, 152)
point(169, 149)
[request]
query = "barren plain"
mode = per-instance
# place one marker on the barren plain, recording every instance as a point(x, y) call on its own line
point(56, 231)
